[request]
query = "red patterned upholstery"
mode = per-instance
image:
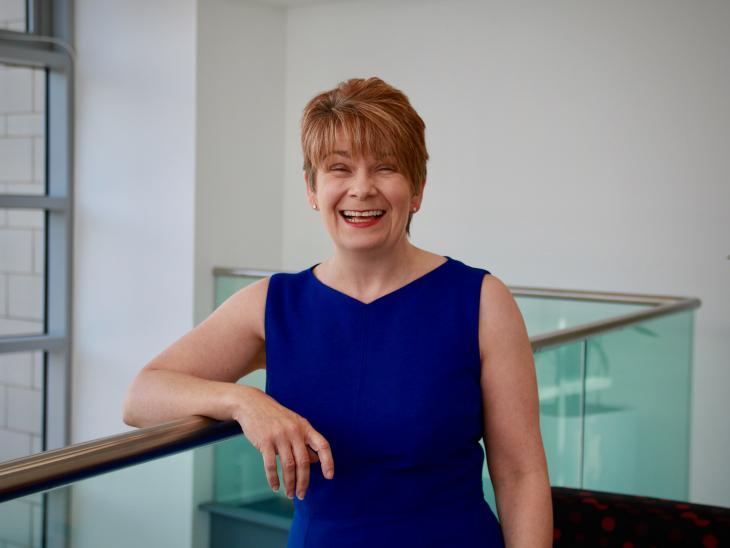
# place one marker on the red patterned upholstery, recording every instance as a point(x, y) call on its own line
point(597, 518)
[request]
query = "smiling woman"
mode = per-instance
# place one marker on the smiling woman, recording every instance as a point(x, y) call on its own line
point(365, 117)
point(404, 412)
point(386, 363)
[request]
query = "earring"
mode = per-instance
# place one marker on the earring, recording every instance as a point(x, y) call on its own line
point(415, 209)
point(314, 206)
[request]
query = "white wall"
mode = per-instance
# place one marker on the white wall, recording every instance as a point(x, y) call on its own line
point(574, 144)
point(134, 236)
point(239, 169)
point(240, 140)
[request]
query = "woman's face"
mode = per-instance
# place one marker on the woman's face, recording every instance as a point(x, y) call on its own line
point(346, 186)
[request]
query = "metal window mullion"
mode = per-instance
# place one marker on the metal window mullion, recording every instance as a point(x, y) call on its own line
point(30, 343)
point(58, 256)
point(30, 201)
point(56, 19)
point(15, 52)
point(39, 17)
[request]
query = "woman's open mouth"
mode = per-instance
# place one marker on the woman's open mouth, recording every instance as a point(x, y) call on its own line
point(362, 219)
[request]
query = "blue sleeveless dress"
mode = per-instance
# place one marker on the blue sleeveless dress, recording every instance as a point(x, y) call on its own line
point(394, 387)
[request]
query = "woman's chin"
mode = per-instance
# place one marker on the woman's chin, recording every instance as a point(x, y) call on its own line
point(359, 244)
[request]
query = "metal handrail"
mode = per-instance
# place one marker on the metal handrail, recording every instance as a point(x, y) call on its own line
point(59, 467)
point(43, 471)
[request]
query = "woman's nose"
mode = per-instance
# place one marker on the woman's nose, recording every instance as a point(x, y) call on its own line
point(362, 185)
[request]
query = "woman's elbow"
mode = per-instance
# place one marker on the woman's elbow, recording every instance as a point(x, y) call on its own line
point(129, 407)
point(127, 412)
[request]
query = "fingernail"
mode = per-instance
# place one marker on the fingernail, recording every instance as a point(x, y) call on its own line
point(300, 497)
point(276, 489)
point(330, 473)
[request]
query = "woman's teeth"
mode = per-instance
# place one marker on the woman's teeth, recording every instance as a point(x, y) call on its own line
point(362, 216)
point(371, 213)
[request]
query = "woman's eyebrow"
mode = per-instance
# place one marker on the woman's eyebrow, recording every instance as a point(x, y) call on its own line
point(344, 153)
point(387, 157)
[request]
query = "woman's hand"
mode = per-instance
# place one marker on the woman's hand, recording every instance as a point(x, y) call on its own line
point(274, 429)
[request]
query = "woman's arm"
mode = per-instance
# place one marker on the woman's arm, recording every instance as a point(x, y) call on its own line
point(197, 376)
point(515, 453)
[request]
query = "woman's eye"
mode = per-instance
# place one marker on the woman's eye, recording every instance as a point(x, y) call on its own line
point(386, 168)
point(338, 168)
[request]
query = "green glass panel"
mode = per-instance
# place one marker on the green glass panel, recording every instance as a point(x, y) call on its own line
point(638, 382)
point(560, 388)
point(487, 483)
point(239, 466)
point(543, 315)
point(225, 286)
point(559, 379)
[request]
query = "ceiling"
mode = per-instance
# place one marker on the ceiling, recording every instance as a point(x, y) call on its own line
point(300, 3)
point(297, 3)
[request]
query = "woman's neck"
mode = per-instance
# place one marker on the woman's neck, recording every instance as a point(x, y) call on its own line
point(369, 275)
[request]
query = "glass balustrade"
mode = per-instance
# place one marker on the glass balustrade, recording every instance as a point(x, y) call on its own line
point(604, 416)
point(546, 315)
point(560, 390)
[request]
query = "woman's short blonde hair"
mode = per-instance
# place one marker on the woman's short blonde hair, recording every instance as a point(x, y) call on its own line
point(376, 118)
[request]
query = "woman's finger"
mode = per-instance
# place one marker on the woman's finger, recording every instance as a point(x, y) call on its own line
point(302, 456)
point(317, 442)
point(272, 474)
point(288, 466)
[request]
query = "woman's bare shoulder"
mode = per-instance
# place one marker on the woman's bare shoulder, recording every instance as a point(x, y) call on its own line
point(500, 319)
point(495, 292)
point(248, 305)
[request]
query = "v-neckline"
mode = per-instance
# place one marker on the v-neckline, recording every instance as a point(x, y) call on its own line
point(310, 270)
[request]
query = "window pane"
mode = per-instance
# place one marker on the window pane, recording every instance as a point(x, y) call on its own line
point(22, 129)
point(22, 269)
point(638, 423)
point(21, 427)
point(21, 404)
point(12, 15)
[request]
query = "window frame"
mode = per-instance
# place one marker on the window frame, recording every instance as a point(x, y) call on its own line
point(47, 22)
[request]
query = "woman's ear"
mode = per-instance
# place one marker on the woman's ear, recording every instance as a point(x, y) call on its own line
point(417, 198)
point(308, 192)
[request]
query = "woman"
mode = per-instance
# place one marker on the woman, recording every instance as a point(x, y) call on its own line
point(385, 362)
